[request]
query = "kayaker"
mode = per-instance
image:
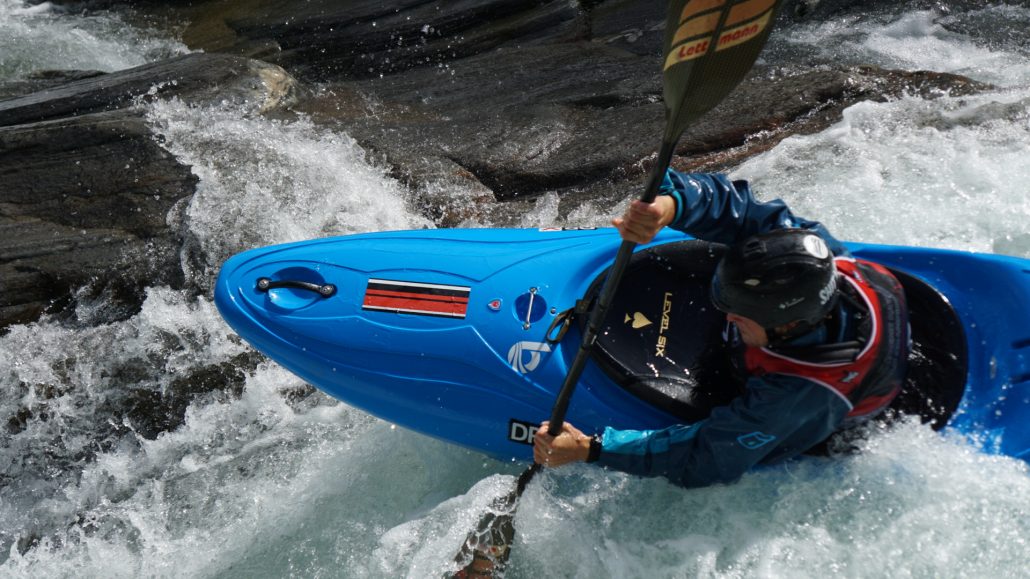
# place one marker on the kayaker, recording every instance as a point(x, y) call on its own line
point(821, 338)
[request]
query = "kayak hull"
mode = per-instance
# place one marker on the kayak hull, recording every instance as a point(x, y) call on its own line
point(445, 331)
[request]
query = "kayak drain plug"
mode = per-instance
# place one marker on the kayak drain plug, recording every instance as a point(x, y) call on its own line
point(325, 290)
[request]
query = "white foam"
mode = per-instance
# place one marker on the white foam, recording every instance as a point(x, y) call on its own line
point(912, 503)
point(945, 173)
point(264, 182)
point(922, 40)
point(44, 37)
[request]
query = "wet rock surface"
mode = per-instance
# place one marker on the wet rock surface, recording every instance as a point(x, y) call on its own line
point(601, 129)
point(198, 78)
point(88, 193)
point(468, 103)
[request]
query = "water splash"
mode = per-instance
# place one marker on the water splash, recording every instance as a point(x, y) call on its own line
point(956, 163)
point(264, 181)
point(888, 511)
point(35, 37)
point(987, 44)
point(65, 392)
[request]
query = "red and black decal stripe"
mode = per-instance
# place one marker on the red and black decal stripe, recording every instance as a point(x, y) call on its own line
point(408, 297)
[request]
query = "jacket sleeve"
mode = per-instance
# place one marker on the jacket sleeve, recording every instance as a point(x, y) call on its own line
point(777, 418)
point(713, 208)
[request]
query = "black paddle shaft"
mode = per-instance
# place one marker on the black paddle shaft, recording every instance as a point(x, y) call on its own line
point(699, 72)
point(709, 46)
point(604, 300)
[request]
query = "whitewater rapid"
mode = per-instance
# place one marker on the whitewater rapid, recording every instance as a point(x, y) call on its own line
point(272, 483)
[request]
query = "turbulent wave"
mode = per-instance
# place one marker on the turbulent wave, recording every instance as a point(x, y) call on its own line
point(37, 37)
point(911, 503)
point(265, 182)
point(954, 162)
point(988, 44)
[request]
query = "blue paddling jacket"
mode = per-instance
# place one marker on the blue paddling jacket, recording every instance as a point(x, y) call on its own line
point(777, 416)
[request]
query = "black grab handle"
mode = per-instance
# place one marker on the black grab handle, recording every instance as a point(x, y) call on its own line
point(325, 290)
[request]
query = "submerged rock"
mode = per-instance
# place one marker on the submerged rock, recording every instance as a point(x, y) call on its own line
point(151, 411)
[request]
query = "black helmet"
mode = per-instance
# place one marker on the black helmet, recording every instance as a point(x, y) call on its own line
point(776, 278)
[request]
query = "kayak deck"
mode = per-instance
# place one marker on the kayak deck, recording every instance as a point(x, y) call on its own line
point(688, 373)
point(445, 331)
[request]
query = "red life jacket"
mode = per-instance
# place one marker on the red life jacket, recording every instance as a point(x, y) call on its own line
point(867, 373)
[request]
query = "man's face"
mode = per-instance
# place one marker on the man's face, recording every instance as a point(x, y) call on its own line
point(751, 333)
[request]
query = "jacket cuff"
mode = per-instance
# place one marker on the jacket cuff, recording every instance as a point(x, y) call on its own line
point(595, 448)
point(678, 201)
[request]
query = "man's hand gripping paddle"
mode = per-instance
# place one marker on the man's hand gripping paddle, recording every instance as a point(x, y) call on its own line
point(709, 46)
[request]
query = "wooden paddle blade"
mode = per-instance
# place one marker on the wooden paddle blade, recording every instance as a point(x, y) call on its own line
point(710, 45)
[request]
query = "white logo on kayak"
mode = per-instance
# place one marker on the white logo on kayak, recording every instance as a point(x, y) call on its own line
point(519, 431)
point(517, 355)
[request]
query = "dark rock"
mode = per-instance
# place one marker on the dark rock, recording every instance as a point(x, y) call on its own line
point(201, 78)
point(84, 203)
point(91, 171)
point(152, 411)
point(585, 113)
point(17, 422)
point(88, 191)
point(520, 122)
point(42, 263)
point(326, 40)
point(630, 25)
point(43, 80)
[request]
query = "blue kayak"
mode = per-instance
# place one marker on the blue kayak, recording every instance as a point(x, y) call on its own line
point(467, 334)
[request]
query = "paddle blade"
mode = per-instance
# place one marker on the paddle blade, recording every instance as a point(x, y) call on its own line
point(709, 46)
point(485, 552)
point(486, 549)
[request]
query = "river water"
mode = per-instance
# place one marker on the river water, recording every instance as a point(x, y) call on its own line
point(266, 484)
